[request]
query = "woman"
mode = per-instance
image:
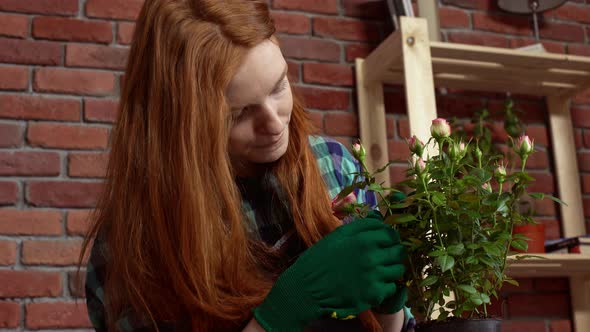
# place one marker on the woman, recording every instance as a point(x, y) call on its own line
point(216, 210)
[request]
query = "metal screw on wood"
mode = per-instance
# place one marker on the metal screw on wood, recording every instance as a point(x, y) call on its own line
point(410, 41)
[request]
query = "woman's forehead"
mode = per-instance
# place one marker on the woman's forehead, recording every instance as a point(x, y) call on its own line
point(256, 77)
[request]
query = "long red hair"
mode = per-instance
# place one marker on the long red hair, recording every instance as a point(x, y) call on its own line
point(170, 213)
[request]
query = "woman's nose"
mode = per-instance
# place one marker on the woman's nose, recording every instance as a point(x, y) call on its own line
point(269, 122)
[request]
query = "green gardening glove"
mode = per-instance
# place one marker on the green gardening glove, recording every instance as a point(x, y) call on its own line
point(352, 269)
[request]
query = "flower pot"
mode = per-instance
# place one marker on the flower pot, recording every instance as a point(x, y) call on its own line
point(536, 234)
point(462, 325)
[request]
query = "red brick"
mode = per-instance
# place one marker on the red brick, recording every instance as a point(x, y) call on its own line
point(328, 74)
point(323, 7)
point(87, 164)
point(586, 183)
point(475, 38)
point(545, 207)
point(8, 193)
point(291, 23)
point(398, 150)
point(523, 325)
point(51, 315)
point(578, 138)
point(14, 78)
point(7, 257)
point(562, 31)
point(9, 314)
point(486, 5)
point(317, 118)
point(29, 52)
point(543, 183)
point(583, 97)
point(59, 7)
point(29, 107)
point(540, 305)
point(69, 194)
point(586, 138)
point(76, 284)
point(390, 126)
point(293, 71)
point(74, 81)
point(95, 56)
point(100, 110)
point(30, 222)
point(586, 207)
point(365, 9)
point(578, 49)
point(397, 173)
point(581, 116)
point(341, 124)
point(354, 51)
point(553, 47)
point(562, 325)
point(125, 32)
point(322, 99)
point(584, 161)
point(78, 222)
point(571, 12)
point(395, 102)
point(552, 228)
point(14, 25)
point(453, 18)
point(29, 283)
point(403, 128)
point(505, 24)
point(552, 284)
point(346, 29)
point(54, 135)
point(51, 252)
point(114, 9)
point(538, 134)
point(29, 163)
point(312, 49)
point(10, 135)
point(70, 29)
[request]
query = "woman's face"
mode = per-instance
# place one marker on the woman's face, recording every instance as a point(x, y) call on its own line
point(261, 102)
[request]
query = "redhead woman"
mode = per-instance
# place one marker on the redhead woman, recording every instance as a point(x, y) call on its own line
point(216, 211)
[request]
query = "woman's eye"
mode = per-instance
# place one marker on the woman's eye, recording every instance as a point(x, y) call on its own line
point(238, 114)
point(281, 87)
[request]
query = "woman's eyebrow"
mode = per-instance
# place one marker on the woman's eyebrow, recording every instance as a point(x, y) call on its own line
point(282, 77)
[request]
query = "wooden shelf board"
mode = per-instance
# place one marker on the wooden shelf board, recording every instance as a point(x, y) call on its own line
point(553, 265)
point(484, 68)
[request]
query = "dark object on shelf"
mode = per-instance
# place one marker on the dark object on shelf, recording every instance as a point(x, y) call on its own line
point(460, 325)
point(530, 7)
point(567, 244)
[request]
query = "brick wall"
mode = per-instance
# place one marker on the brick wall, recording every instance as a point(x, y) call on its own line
point(61, 64)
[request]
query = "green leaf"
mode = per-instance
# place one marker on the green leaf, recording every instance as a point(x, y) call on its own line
point(512, 282)
point(471, 260)
point(445, 262)
point(395, 219)
point(467, 288)
point(520, 245)
point(476, 299)
point(456, 249)
point(430, 280)
point(376, 188)
point(438, 198)
point(468, 197)
point(436, 253)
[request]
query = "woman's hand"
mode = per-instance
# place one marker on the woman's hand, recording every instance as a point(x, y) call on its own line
point(349, 271)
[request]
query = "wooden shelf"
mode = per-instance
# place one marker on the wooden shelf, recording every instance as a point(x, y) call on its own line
point(410, 58)
point(495, 69)
point(552, 265)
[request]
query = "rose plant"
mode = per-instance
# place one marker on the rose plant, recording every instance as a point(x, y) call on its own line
point(456, 220)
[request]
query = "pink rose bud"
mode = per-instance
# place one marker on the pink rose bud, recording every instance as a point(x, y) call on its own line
point(440, 128)
point(416, 146)
point(524, 146)
point(420, 165)
point(486, 187)
point(339, 205)
point(358, 151)
point(501, 170)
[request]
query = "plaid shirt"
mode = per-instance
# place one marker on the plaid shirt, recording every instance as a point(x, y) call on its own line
point(336, 165)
